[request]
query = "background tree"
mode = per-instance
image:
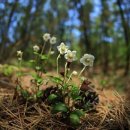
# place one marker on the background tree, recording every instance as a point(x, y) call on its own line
point(125, 18)
point(98, 27)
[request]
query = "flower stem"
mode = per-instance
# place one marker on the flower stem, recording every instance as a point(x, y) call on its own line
point(19, 66)
point(81, 71)
point(38, 60)
point(65, 74)
point(49, 51)
point(57, 63)
point(43, 47)
point(69, 77)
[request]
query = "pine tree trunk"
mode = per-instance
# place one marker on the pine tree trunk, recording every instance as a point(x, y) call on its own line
point(126, 36)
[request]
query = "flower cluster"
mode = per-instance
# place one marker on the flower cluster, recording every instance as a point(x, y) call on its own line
point(70, 56)
point(19, 54)
point(47, 37)
point(86, 60)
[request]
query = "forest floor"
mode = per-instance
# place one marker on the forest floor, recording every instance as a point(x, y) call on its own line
point(104, 84)
point(113, 90)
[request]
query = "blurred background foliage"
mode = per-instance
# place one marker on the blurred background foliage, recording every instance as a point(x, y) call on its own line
point(99, 27)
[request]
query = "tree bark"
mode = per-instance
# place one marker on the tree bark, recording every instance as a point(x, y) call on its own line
point(84, 26)
point(126, 36)
point(5, 32)
point(85, 29)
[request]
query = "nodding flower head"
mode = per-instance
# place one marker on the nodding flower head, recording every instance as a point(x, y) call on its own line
point(62, 48)
point(87, 60)
point(70, 56)
point(53, 40)
point(46, 37)
point(19, 53)
point(36, 48)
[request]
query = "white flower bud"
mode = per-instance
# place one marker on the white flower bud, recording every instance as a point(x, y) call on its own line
point(75, 73)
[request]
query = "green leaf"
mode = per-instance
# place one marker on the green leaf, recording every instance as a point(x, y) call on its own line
point(59, 107)
point(74, 92)
point(34, 75)
point(20, 74)
point(74, 119)
point(25, 93)
point(78, 112)
point(64, 87)
point(39, 93)
point(39, 80)
point(78, 98)
point(7, 72)
point(32, 61)
point(35, 53)
point(38, 68)
point(56, 79)
point(52, 97)
point(44, 57)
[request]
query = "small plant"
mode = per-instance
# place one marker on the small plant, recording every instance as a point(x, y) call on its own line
point(8, 70)
point(68, 101)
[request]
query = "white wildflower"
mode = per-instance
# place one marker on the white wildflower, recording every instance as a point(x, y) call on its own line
point(75, 73)
point(53, 40)
point(70, 56)
point(62, 48)
point(46, 37)
point(87, 60)
point(19, 53)
point(36, 48)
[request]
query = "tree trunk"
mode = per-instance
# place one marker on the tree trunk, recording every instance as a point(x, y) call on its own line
point(5, 39)
point(84, 26)
point(86, 39)
point(106, 58)
point(126, 36)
